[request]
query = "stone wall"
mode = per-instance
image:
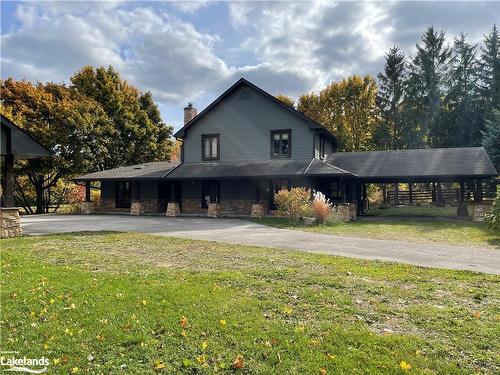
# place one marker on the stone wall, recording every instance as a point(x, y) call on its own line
point(236, 207)
point(144, 207)
point(192, 206)
point(478, 210)
point(88, 208)
point(10, 223)
point(109, 205)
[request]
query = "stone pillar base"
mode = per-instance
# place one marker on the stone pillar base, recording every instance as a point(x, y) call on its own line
point(213, 210)
point(257, 210)
point(477, 210)
point(135, 208)
point(462, 209)
point(10, 222)
point(173, 209)
point(88, 207)
point(346, 211)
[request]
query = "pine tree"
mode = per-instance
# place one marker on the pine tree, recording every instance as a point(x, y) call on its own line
point(428, 70)
point(489, 73)
point(491, 138)
point(389, 99)
point(462, 121)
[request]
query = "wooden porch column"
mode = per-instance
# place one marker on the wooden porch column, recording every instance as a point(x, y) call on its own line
point(461, 197)
point(396, 194)
point(384, 193)
point(343, 191)
point(433, 192)
point(478, 191)
point(8, 194)
point(410, 190)
point(87, 191)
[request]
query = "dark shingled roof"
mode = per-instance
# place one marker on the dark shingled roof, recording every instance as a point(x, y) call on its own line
point(438, 162)
point(153, 171)
point(264, 168)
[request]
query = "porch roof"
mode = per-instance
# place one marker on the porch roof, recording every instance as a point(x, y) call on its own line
point(145, 171)
point(263, 168)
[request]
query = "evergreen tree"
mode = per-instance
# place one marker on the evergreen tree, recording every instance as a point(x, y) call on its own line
point(491, 138)
point(428, 71)
point(462, 120)
point(389, 99)
point(489, 73)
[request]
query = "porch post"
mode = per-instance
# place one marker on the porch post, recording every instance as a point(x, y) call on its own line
point(410, 190)
point(462, 192)
point(87, 191)
point(478, 191)
point(9, 181)
point(433, 192)
point(396, 194)
point(384, 193)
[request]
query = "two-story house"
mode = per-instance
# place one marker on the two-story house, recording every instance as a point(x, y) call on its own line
point(247, 145)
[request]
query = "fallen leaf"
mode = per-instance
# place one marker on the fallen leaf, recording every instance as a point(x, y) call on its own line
point(184, 322)
point(405, 366)
point(238, 362)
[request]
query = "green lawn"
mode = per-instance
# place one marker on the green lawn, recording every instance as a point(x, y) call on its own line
point(114, 303)
point(414, 211)
point(453, 232)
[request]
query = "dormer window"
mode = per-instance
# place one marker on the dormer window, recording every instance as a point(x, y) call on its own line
point(281, 141)
point(210, 147)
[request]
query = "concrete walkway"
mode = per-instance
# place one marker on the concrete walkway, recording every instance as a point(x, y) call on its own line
point(245, 232)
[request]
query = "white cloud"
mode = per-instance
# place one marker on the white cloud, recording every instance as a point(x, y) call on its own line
point(190, 6)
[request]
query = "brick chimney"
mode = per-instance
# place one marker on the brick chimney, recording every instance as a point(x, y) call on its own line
point(189, 113)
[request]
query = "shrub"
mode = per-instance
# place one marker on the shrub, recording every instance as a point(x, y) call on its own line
point(322, 207)
point(293, 203)
point(493, 217)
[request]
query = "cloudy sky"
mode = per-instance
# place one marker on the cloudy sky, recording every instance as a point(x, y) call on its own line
point(192, 51)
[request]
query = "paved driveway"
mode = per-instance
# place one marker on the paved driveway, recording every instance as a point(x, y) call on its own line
point(248, 233)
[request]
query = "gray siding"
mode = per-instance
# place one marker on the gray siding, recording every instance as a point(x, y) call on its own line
point(149, 190)
point(108, 190)
point(244, 121)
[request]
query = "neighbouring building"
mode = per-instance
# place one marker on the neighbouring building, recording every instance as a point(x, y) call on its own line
point(247, 145)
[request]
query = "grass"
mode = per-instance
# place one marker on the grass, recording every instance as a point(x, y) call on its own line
point(109, 303)
point(413, 211)
point(451, 232)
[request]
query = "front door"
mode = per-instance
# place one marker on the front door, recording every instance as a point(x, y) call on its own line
point(210, 190)
point(123, 194)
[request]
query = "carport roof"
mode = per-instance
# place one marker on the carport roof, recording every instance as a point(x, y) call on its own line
point(418, 163)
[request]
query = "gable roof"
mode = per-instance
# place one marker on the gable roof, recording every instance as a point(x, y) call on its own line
point(242, 81)
point(419, 163)
point(145, 171)
point(23, 145)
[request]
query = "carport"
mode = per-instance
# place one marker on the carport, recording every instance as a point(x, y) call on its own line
point(16, 144)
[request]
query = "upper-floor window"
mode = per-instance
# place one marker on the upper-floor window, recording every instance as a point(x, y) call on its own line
point(281, 141)
point(210, 147)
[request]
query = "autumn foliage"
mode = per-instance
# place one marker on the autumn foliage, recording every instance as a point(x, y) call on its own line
point(293, 203)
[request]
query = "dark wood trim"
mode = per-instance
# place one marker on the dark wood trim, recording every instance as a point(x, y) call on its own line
point(117, 188)
point(205, 136)
point(271, 144)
